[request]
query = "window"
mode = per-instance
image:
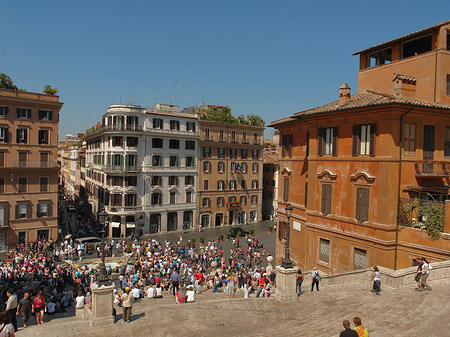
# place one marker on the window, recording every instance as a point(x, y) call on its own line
point(173, 180)
point(4, 215)
point(174, 125)
point(254, 184)
point(131, 160)
point(204, 222)
point(232, 184)
point(221, 152)
point(156, 198)
point(243, 153)
point(221, 135)
point(43, 137)
point(232, 166)
point(286, 190)
point(190, 145)
point(189, 180)
point(188, 196)
point(44, 115)
point(43, 184)
point(2, 158)
point(172, 197)
point(205, 185)
point(286, 144)
point(189, 161)
point(157, 181)
point(448, 83)
point(130, 181)
point(4, 111)
point(220, 201)
point(173, 161)
point(190, 126)
point(255, 167)
point(233, 136)
point(157, 143)
point(158, 123)
point(410, 140)
point(254, 199)
point(206, 133)
point(2, 185)
point(117, 160)
point(324, 250)
point(174, 144)
point(243, 184)
point(364, 140)
point(255, 139)
point(380, 57)
point(244, 137)
point(243, 168)
point(206, 166)
point(255, 154)
point(3, 134)
point(232, 198)
point(220, 166)
point(233, 153)
point(220, 185)
point(243, 200)
point(206, 202)
point(206, 152)
point(130, 200)
point(360, 261)
point(328, 141)
point(417, 46)
point(43, 209)
point(22, 136)
point(362, 204)
point(132, 141)
point(22, 211)
point(326, 199)
point(23, 185)
point(23, 113)
point(157, 160)
point(116, 199)
point(117, 141)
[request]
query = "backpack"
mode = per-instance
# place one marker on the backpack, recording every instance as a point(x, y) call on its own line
point(316, 275)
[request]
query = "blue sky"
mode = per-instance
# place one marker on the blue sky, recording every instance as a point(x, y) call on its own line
point(271, 58)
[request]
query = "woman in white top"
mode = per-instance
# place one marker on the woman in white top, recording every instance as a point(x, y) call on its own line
point(190, 294)
point(150, 292)
point(158, 292)
point(376, 280)
point(80, 300)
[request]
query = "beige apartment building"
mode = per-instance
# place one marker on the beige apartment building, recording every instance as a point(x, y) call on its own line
point(28, 167)
point(230, 173)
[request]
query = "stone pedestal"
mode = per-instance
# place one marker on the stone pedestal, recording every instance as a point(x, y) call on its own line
point(286, 283)
point(102, 305)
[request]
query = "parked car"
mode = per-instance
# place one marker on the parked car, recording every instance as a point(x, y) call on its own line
point(235, 230)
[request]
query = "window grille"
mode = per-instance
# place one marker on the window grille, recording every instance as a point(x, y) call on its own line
point(360, 259)
point(324, 252)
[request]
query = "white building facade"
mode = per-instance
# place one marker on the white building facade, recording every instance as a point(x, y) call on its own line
point(141, 164)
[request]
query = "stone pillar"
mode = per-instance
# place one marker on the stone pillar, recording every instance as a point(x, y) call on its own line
point(102, 305)
point(286, 284)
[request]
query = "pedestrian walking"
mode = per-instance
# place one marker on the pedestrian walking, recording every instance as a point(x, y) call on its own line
point(418, 275)
point(25, 308)
point(376, 280)
point(299, 283)
point(425, 273)
point(127, 300)
point(315, 279)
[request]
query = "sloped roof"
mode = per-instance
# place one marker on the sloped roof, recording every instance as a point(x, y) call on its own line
point(403, 38)
point(362, 99)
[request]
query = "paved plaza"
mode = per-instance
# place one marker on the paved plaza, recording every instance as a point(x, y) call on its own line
point(400, 313)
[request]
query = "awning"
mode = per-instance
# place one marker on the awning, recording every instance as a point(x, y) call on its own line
point(130, 225)
point(115, 224)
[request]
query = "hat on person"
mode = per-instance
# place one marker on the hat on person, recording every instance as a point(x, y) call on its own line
point(127, 289)
point(315, 268)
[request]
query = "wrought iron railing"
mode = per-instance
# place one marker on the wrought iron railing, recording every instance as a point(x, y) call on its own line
point(422, 214)
point(35, 164)
point(432, 168)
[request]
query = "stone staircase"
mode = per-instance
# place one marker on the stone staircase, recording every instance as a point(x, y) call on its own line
point(404, 312)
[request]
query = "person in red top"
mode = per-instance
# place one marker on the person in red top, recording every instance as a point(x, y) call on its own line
point(157, 281)
point(261, 284)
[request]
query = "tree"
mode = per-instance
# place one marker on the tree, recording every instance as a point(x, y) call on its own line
point(6, 82)
point(49, 90)
point(256, 120)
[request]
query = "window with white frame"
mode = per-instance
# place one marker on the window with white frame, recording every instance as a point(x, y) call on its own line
point(206, 166)
point(173, 161)
point(220, 185)
point(254, 199)
point(254, 184)
point(43, 209)
point(220, 166)
point(232, 184)
point(3, 134)
point(189, 161)
point(255, 167)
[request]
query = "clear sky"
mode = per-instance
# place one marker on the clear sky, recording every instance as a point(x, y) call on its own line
point(271, 58)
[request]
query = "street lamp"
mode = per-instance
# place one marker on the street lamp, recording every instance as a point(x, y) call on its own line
point(102, 278)
point(287, 263)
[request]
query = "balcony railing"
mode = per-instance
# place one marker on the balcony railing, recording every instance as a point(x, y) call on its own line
point(123, 209)
point(125, 127)
point(432, 168)
point(35, 164)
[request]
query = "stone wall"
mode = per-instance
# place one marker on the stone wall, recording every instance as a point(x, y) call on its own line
point(391, 279)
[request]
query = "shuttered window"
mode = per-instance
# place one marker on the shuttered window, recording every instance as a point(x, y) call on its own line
point(363, 140)
point(326, 198)
point(286, 190)
point(324, 250)
point(362, 204)
point(410, 140)
point(360, 259)
point(328, 141)
point(286, 143)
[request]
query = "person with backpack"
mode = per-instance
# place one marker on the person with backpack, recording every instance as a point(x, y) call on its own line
point(426, 267)
point(315, 279)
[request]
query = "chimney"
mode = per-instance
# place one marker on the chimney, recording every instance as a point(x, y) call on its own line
point(404, 86)
point(344, 93)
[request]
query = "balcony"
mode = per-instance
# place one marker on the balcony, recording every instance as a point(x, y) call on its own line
point(432, 169)
point(122, 168)
point(256, 142)
point(126, 127)
point(123, 209)
point(35, 164)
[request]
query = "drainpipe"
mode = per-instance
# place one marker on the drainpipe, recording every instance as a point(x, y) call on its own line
point(435, 67)
point(398, 183)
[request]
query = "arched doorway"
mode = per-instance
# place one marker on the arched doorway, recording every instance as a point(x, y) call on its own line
point(219, 219)
point(172, 221)
point(155, 223)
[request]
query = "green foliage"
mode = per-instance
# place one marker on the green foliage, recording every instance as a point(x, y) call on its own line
point(228, 236)
point(242, 120)
point(6, 82)
point(251, 231)
point(220, 236)
point(239, 234)
point(49, 90)
point(256, 120)
point(270, 228)
point(192, 240)
point(223, 114)
point(202, 239)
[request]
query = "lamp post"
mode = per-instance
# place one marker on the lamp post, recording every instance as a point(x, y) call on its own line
point(287, 263)
point(102, 278)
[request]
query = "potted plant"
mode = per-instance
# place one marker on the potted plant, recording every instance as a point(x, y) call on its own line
point(220, 237)
point(202, 239)
point(270, 229)
point(239, 234)
point(251, 231)
point(228, 236)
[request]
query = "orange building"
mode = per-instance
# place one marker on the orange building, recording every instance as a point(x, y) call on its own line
point(369, 175)
point(28, 167)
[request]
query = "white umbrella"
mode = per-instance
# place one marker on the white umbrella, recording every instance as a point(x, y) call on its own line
point(68, 236)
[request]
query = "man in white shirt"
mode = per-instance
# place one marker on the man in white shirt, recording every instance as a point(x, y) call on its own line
point(135, 292)
point(151, 292)
point(190, 294)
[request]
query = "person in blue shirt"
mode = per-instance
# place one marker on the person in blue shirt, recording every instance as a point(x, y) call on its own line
point(175, 279)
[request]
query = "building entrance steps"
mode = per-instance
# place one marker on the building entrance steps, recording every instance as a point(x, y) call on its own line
point(393, 313)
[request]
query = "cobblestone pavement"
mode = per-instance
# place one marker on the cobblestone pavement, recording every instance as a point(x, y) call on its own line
point(399, 313)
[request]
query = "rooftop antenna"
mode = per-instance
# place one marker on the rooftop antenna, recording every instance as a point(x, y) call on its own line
point(154, 94)
point(176, 87)
point(159, 94)
point(203, 95)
